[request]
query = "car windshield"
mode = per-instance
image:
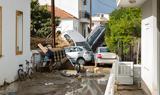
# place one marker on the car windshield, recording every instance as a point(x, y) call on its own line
point(104, 50)
point(84, 44)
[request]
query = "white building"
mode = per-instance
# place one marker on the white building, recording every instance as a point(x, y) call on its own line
point(99, 19)
point(67, 20)
point(150, 43)
point(77, 8)
point(14, 37)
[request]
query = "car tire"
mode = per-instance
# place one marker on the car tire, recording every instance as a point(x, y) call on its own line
point(80, 61)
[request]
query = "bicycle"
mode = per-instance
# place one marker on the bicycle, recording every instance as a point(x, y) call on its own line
point(25, 73)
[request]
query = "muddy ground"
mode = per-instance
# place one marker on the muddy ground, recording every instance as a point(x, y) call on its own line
point(56, 83)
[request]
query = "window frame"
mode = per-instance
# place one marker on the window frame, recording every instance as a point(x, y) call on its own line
point(158, 15)
point(1, 30)
point(18, 52)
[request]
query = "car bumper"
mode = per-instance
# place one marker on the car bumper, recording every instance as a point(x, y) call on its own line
point(104, 61)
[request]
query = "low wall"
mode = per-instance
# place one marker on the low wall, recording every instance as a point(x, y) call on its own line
point(137, 74)
point(111, 82)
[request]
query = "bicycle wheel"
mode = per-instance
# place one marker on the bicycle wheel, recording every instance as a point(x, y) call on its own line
point(30, 73)
point(21, 75)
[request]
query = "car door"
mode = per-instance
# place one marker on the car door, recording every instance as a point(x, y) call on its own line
point(73, 53)
point(80, 51)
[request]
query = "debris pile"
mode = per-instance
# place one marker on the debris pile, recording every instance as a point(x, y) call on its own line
point(53, 59)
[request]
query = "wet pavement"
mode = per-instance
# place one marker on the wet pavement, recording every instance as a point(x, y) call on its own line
point(57, 84)
point(129, 90)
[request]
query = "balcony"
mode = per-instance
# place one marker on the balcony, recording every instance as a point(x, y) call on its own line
point(129, 3)
point(84, 16)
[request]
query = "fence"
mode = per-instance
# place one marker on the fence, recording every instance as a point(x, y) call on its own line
point(121, 73)
point(125, 73)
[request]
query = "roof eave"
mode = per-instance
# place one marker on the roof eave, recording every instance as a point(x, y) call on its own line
point(130, 3)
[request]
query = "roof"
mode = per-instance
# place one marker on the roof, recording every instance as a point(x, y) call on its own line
point(61, 13)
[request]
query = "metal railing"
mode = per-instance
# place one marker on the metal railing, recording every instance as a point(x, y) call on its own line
point(84, 14)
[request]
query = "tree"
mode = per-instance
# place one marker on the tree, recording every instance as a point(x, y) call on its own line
point(40, 20)
point(123, 29)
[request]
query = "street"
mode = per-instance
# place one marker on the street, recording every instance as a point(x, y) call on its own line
point(56, 83)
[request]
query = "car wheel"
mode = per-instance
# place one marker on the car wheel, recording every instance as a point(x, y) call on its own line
point(80, 61)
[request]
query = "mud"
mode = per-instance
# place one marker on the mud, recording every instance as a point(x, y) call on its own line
point(57, 84)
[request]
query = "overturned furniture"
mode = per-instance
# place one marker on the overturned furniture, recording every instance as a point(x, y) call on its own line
point(57, 61)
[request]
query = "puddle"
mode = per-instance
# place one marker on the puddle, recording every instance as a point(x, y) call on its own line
point(91, 86)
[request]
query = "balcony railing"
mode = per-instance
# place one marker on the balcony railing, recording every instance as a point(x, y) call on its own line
point(84, 14)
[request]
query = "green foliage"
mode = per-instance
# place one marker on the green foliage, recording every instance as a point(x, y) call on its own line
point(40, 20)
point(124, 27)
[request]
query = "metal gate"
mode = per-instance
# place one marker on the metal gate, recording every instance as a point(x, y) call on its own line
point(125, 73)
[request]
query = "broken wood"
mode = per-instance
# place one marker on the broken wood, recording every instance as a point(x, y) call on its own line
point(44, 49)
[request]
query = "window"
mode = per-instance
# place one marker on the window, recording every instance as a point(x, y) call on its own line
point(0, 31)
point(73, 49)
point(85, 2)
point(84, 44)
point(158, 14)
point(19, 32)
point(79, 49)
point(104, 50)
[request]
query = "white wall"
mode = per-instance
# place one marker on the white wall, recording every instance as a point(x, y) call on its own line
point(65, 25)
point(9, 61)
point(68, 24)
point(149, 46)
point(76, 25)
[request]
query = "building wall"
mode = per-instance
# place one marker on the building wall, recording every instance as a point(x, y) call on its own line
point(68, 24)
point(9, 61)
point(76, 25)
point(65, 25)
point(149, 47)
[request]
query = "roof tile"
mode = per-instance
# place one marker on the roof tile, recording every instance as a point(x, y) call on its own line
point(61, 13)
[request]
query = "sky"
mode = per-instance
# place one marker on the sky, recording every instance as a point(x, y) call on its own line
point(103, 6)
point(98, 6)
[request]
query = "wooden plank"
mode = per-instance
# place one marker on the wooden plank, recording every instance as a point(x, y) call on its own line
point(44, 49)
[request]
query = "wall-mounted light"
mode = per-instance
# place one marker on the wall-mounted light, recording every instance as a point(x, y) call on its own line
point(132, 1)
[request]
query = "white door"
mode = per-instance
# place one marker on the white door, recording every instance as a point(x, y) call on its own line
point(125, 73)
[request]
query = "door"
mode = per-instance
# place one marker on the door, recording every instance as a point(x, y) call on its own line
point(125, 73)
point(73, 53)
